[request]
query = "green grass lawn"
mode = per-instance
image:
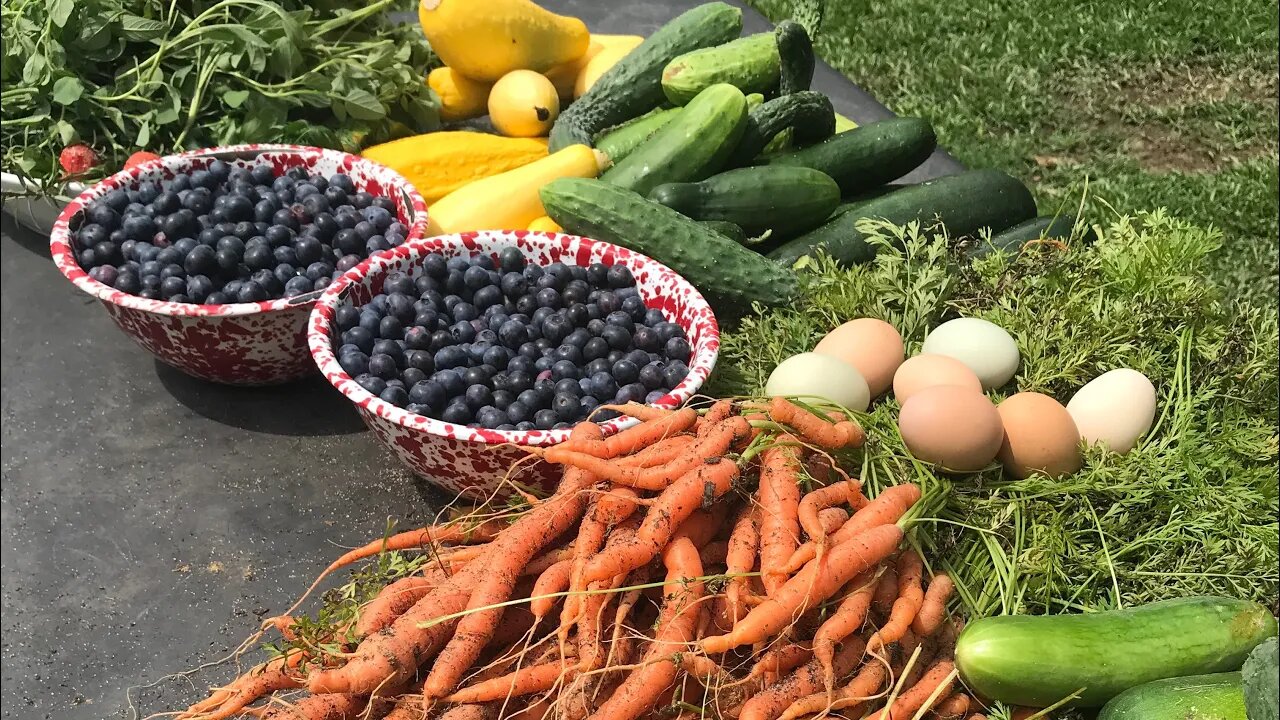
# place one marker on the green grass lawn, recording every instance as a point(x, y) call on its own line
point(1155, 104)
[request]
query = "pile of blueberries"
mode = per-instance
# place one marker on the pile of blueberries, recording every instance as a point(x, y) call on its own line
point(228, 234)
point(509, 345)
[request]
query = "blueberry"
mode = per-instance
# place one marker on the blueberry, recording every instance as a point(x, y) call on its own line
point(398, 282)
point(354, 363)
point(543, 365)
point(139, 227)
point(519, 380)
point(562, 369)
point(417, 338)
point(511, 260)
point(102, 214)
point(532, 399)
point(420, 359)
point(677, 348)
point(259, 257)
point(569, 353)
point(502, 399)
point(252, 292)
point(575, 292)
point(105, 274)
point(170, 271)
point(625, 371)
point(383, 366)
point(496, 356)
point(518, 412)
point(451, 381)
point(128, 283)
point(360, 200)
point(199, 287)
point(201, 260)
point(427, 393)
point(360, 337)
point(462, 332)
point(171, 286)
point(618, 338)
point(595, 348)
point(391, 348)
point(490, 417)
point(674, 374)
point(545, 419)
point(526, 426)
point(645, 339)
point(487, 297)
point(401, 306)
point(450, 357)
point(667, 330)
point(376, 244)
point(477, 396)
point(391, 328)
point(578, 338)
point(603, 386)
point(476, 376)
point(435, 266)
point(346, 317)
point(620, 319)
point(566, 407)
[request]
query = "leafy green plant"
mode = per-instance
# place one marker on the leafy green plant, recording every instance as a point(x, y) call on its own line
point(166, 77)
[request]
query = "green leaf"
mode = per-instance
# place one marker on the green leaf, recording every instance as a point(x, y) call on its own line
point(67, 90)
point(60, 11)
point(135, 27)
point(34, 70)
point(285, 57)
point(66, 132)
point(144, 134)
point(235, 98)
point(362, 105)
point(1262, 681)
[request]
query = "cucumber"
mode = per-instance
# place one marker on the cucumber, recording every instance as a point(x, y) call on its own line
point(729, 275)
point(964, 203)
point(618, 142)
point(1037, 661)
point(867, 156)
point(1219, 696)
point(1012, 240)
point(795, 57)
point(749, 63)
point(633, 86)
point(786, 200)
point(694, 145)
point(727, 229)
point(807, 113)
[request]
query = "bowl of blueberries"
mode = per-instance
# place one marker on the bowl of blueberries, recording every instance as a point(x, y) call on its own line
point(458, 349)
point(213, 259)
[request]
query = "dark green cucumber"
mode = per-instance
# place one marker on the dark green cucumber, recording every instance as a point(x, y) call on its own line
point(1219, 696)
point(695, 144)
point(785, 200)
point(1012, 240)
point(727, 229)
point(795, 56)
point(749, 63)
point(619, 142)
point(867, 156)
point(729, 275)
point(807, 113)
point(1037, 661)
point(633, 86)
point(964, 203)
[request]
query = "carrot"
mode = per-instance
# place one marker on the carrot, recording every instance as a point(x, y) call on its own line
point(705, 483)
point(842, 623)
point(659, 452)
point(953, 708)
point(818, 500)
point(704, 669)
point(394, 599)
point(628, 601)
point(740, 558)
point(863, 687)
point(888, 507)
point(552, 580)
point(638, 411)
point(816, 430)
point(937, 682)
point(886, 592)
point(779, 498)
point(590, 654)
point(933, 611)
point(470, 712)
point(910, 598)
point(770, 703)
point(782, 659)
point(832, 518)
point(642, 688)
point(525, 681)
point(543, 562)
point(337, 706)
point(264, 679)
point(719, 410)
point(631, 439)
point(606, 511)
point(815, 583)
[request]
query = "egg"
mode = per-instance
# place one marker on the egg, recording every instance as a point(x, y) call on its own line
point(924, 371)
point(1039, 436)
point(815, 376)
point(1114, 409)
point(985, 347)
point(872, 346)
point(953, 426)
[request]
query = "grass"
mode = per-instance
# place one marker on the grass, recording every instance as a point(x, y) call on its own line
point(1157, 104)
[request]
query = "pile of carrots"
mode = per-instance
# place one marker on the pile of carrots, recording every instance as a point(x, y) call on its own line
point(710, 563)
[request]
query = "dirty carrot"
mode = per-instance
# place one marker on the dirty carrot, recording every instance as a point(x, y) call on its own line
point(910, 598)
point(779, 499)
point(740, 558)
point(933, 612)
point(659, 452)
point(886, 592)
point(818, 500)
point(842, 623)
point(392, 602)
point(552, 580)
point(469, 712)
point(782, 659)
point(864, 686)
point(770, 703)
point(953, 708)
point(264, 679)
point(631, 439)
point(935, 683)
point(525, 681)
point(337, 706)
point(814, 429)
point(638, 411)
point(607, 510)
point(888, 507)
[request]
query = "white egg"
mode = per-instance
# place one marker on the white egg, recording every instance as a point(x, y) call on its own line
point(1115, 409)
point(985, 347)
point(820, 377)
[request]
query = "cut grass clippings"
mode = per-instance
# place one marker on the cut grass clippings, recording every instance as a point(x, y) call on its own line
point(1192, 510)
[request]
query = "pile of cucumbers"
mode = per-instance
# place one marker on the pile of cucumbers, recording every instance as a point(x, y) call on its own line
point(729, 169)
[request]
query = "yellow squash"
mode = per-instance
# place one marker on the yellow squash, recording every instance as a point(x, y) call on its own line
point(545, 224)
point(564, 75)
point(523, 104)
point(460, 96)
point(602, 61)
point(440, 162)
point(510, 201)
point(486, 40)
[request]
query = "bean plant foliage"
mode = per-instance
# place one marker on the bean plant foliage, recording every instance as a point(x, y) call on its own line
point(1192, 510)
point(170, 76)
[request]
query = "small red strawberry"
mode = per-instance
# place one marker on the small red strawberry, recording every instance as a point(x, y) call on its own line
point(77, 159)
point(140, 157)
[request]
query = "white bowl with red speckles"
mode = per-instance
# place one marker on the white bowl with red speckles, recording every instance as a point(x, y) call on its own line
point(477, 462)
point(258, 343)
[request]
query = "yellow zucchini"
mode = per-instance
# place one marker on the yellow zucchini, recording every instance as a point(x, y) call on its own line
point(487, 40)
point(510, 201)
point(523, 104)
point(438, 163)
point(602, 61)
point(564, 75)
point(545, 224)
point(461, 97)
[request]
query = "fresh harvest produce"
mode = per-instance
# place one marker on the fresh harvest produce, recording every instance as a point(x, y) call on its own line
point(984, 347)
point(807, 115)
point(1039, 660)
point(565, 75)
point(523, 104)
point(871, 345)
point(509, 200)
point(820, 377)
point(749, 63)
point(545, 224)
point(866, 157)
point(783, 201)
point(619, 142)
point(119, 77)
point(601, 62)
point(228, 234)
point(1261, 680)
point(729, 230)
point(1114, 409)
point(731, 276)
point(693, 145)
point(951, 426)
point(1059, 228)
point(461, 97)
point(964, 204)
point(486, 43)
point(795, 57)
point(1219, 696)
point(926, 370)
point(508, 345)
point(1040, 438)
point(633, 86)
point(439, 163)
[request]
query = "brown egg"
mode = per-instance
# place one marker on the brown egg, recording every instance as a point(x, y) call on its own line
point(926, 370)
point(873, 346)
point(954, 426)
point(1039, 436)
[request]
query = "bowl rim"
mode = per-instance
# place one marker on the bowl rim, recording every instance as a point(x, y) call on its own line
point(319, 339)
point(60, 245)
